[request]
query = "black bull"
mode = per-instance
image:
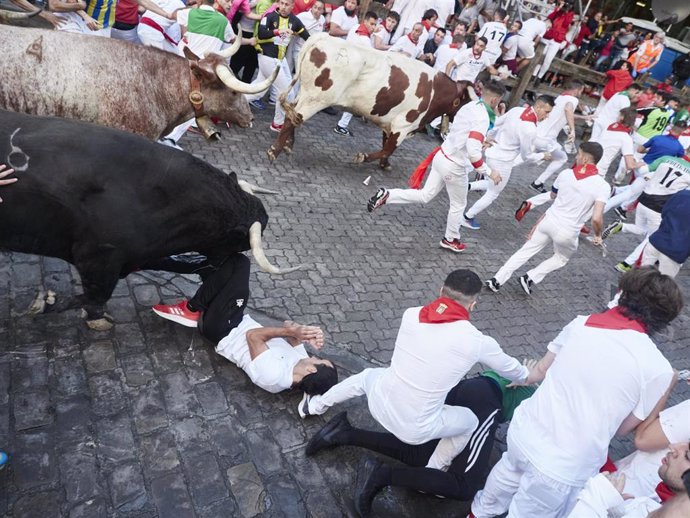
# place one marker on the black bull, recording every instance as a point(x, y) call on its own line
point(109, 202)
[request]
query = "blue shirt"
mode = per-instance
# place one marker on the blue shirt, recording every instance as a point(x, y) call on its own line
point(673, 236)
point(662, 145)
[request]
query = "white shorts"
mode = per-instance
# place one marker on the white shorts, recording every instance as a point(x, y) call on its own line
point(525, 47)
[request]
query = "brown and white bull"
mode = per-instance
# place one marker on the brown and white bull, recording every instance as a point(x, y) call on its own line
point(113, 83)
point(398, 94)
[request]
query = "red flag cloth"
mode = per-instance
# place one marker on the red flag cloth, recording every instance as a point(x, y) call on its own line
point(417, 178)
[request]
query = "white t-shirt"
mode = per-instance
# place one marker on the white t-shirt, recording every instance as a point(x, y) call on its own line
point(495, 33)
point(641, 468)
point(612, 109)
point(342, 20)
point(272, 369)
point(469, 65)
point(613, 142)
point(310, 23)
point(573, 206)
point(444, 54)
point(405, 44)
point(515, 131)
point(600, 376)
point(668, 178)
point(511, 47)
point(200, 44)
point(444, 8)
point(358, 39)
point(550, 127)
point(429, 359)
point(532, 28)
point(381, 33)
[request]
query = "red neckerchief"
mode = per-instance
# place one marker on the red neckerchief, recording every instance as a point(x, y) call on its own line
point(584, 171)
point(528, 115)
point(664, 492)
point(442, 311)
point(426, 25)
point(454, 45)
point(614, 319)
point(617, 126)
point(409, 37)
point(362, 30)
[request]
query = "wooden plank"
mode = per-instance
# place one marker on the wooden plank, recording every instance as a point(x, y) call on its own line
point(582, 73)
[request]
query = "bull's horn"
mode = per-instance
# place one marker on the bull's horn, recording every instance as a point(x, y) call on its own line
point(229, 79)
point(472, 93)
point(231, 50)
point(254, 189)
point(6, 15)
point(258, 252)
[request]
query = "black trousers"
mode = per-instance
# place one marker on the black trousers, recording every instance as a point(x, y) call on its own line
point(467, 472)
point(245, 60)
point(223, 294)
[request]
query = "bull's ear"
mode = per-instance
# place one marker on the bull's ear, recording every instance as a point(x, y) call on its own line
point(190, 55)
point(203, 71)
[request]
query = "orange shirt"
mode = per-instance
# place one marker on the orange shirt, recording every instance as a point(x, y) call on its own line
point(647, 54)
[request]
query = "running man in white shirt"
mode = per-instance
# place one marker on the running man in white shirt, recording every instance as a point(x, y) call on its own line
point(470, 62)
point(435, 348)
point(495, 32)
point(612, 109)
point(359, 35)
point(449, 165)
point(559, 437)
point(274, 358)
point(579, 193)
point(381, 39)
point(515, 136)
point(563, 114)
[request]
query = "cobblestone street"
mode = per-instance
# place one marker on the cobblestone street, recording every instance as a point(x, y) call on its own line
point(146, 420)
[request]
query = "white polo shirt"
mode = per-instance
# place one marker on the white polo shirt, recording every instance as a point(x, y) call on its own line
point(573, 206)
point(272, 369)
point(469, 65)
point(615, 139)
point(345, 22)
point(605, 370)
point(550, 127)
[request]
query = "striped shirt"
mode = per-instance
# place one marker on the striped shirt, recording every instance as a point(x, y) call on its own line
point(103, 11)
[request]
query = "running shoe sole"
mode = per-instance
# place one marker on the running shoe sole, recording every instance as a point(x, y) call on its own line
point(442, 244)
point(178, 319)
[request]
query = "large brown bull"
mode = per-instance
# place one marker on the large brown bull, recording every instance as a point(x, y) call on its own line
point(113, 83)
point(395, 92)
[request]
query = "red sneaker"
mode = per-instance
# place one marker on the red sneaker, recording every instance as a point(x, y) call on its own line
point(276, 127)
point(179, 313)
point(525, 206)
point(454, 246)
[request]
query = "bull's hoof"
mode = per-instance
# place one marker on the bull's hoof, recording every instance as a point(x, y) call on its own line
point(100, 324)
point(288, 149)
point(360, 158)
point(271, 153)
point(43, 299)
point(385, 167)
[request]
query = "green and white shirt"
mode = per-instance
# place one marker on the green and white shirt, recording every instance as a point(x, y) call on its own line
point(207, 29)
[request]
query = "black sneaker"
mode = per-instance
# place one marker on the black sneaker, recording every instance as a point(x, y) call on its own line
point(378, 199)
point(365, 485)
point(539, 187)
point(325, 438)
point(621, 213)
point(493, 284)
point(613, 228)
point(303, 407)
point(342, 131)
point(526, 284)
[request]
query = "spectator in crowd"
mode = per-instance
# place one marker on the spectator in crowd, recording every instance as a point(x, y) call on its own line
point(72, 16)
point(127, 18)
point(470, 15)
point(383, 33)
point(647, 97)
point(618, 79)
point(314, 21)
point(205, 30)
point(554, 37)
point(681, 69)
point(343, 19)
point(411, 12)
point(509, 47)
point(529, 36)
point(603, 60)
point(625, 36)
point(471, 62)
point(445, 53)
point(159, 31)
point(409, 45)
point(549, 458)
point(432, 45)
point(429, 23)
point(445, 9)
point(648, 55)
point(494, 32)
point(666, 86)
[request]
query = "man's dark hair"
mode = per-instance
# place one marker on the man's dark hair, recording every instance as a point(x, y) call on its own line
point(371, 14)
point(679, 126)
point(519, 22)
point(464, 24)
point(441, 30)
point(462, 284)
point(665, 96)
point(501, 13)
point(319, 382)
point(429, 14)
point(572, 84)
point(395, 16)
point(629, 115)
point(635, 86)
point(593, 149)
point(495, 87)
point(650, 297)
point(546, 99)
point(673, 98)
point(482, 38)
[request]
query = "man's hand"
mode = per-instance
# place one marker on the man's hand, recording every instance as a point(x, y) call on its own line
point(312, 335)
point(495, 177)
point(488, 143)
point(547, 156)
point(617, 480)
point(597, 241)
point(571, 136)
point(92, 24)
point(55, 21)
point(4, 173)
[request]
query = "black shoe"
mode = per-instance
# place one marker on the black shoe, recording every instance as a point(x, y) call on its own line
point(365, 487)
point(526, 284)
point(493, 284)
point(377, 199)
point(324, 438)
point(621, 213)
point(539, 187)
